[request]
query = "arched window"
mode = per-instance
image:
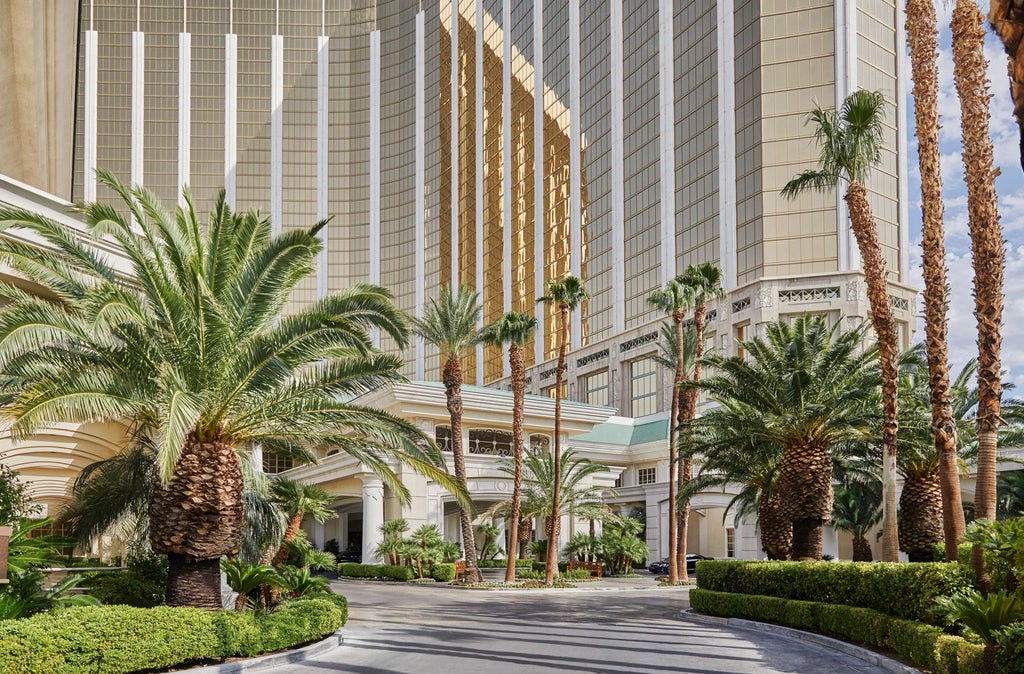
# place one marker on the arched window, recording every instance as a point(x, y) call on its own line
point(443, 438)
point(540, 443)
point(490, 442)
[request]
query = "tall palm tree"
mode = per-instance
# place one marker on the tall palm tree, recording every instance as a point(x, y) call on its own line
point(851, 144)
point(297, 501)
point(704, 282)
point(857, 511)
point(1006, 17)
point(195, 353)
point(805, 388)
point(970, 74)
point(567, 295)
point(449, 323)
point(514, 329)
point(923, 40)
point(674, 299)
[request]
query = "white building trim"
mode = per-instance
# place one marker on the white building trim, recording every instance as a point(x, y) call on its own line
point(618, 174)
point(91, 70)
point(230, 116)
point(902, 130)
point(276, 132)
point(184, 113)
point(374, 232)
point(421, 225)
point(726, 144)
point(323, 142)
point(538, 174)
point(138, 106)
point(667, 138)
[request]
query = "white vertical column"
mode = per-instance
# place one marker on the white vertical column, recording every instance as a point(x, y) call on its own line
point(667, 138)
point(230, 116)
point(506, 159)
point(455, 144)
point(374, 232)
point(373, 515)
point(184, 113)
point(902, 77)
point(575, 168)
point(538, 174)
point(726, 144)
point(91, 72)
point(323, 145)
point(138, 105)
point(480, 180)
point(846, 83)
point(276, 132)
point(421, 225)
point(618, 175)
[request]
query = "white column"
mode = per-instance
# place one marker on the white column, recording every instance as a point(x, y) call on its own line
point(667, 138)
point(618, 175)
point(230, 116)
point(455, 144)
point(91, 70)
point(726, 144)
point(375, 166)
point(499, 523)
point(373, 517)
point(846, 83)
point(184, 113)
point(538, 174)
point(575, 169)
point(138, 105)
point(506, 161)
point(421, 181)
point(276, 132)
point(323, 145)
point(902, 77)
point(480, 181)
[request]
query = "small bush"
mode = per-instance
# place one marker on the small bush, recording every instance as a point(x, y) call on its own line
point(926, 645)
point(443, 572)
point(902, 590)
point(530, 575)
point(579, 574)
point(390, 571)
point(1010, 649)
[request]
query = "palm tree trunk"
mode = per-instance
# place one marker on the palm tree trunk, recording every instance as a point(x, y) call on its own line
point(196, 519)
point(805, 486)
point(453, 392)
point(970, 76)
point(1007, 18)
point(688, 412)
point(776, 528)
point(289, 535)
point(518, 368)
point(923, 39)
point(551, 565)
point(673, 543)
point(863, 224)
point(921, 516)
point(862, 549)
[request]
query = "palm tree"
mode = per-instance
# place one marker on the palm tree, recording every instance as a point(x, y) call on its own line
point(806, 389)
point(851, 144)
point(195, 353)
point(923, 40)
point(514, 329)
point(297, 501)
point(857, 510)
point(970, 74)
point(566, 294)
point(1006, 17)
point(450, 325)
point(674, 299)
point(704, 283)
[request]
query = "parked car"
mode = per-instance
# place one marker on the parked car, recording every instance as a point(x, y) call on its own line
point(661, 568)
point(350, 554)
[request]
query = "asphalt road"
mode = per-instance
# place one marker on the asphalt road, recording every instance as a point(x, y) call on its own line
point(426, 630)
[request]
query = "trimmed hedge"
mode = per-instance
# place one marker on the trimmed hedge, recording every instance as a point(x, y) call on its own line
point(926, 646)
point(121, 639)
point(901, 590)
point(389, 571)
point(502, 563)
point(443, 572)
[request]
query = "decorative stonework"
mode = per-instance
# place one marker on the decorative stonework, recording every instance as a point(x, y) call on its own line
point(854, 292)
point(638, 341)
point(592, 358)
point(740, 305)
point(765, 298)
point(808, 295)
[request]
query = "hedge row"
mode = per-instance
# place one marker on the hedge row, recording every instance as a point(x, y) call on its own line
point(902, 590)
point(926, 646)
point(389, 571)
point(121, 639)
point(503, 563)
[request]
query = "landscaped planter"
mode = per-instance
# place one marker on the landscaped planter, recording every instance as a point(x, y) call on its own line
point(5, 536)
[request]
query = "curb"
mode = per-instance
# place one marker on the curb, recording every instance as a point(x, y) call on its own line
point(273, 660)
point(871, 657)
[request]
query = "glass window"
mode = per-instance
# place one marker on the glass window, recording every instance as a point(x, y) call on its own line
point(646, 475)
point(540, 443)
point(490, 442)
point(597, 388)
point(275, 463)
point(741, 336)
point(443, 438)
point(643, 387)
point(730, 542)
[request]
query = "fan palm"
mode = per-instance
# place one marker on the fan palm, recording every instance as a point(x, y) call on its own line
point(195, 353)
point(297, 501)
point(567, 295)
point(857, 510)
point(704, 284)
point(808, 387)
point(674, 299)
point(514, 329)
point(450, 324)
point(851, 145)
point(970, 75)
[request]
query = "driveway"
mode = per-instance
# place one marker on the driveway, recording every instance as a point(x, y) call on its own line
point(428, 629)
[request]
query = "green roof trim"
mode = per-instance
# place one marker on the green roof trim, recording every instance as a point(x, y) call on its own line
point(624, 434)
point(502, 392)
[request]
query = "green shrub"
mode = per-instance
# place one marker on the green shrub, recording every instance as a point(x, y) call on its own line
point(1010, 649)
point(926, 645)
point(902, 590)
point(393, 572)
point(118, 639)
point(530, 574)
point(443, 572)
point(579, 574)
point(390, 571)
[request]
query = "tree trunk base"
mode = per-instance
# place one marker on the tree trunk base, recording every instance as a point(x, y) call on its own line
point(193, 582)
point(807, 539)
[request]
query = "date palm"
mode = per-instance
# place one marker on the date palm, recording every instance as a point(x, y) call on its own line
point(851, 145)
point(514, 329)
point(803, 387)
point(970, 75)
point(1007, 18)
point(704, 284)
point(449, 323)
point(857, 510)
point(194, 351)
point(675, 299)
point(567, 294)
point(923, 40)
point(297, 501)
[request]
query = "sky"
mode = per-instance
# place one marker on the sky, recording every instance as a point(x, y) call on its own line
point(1009, 187)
